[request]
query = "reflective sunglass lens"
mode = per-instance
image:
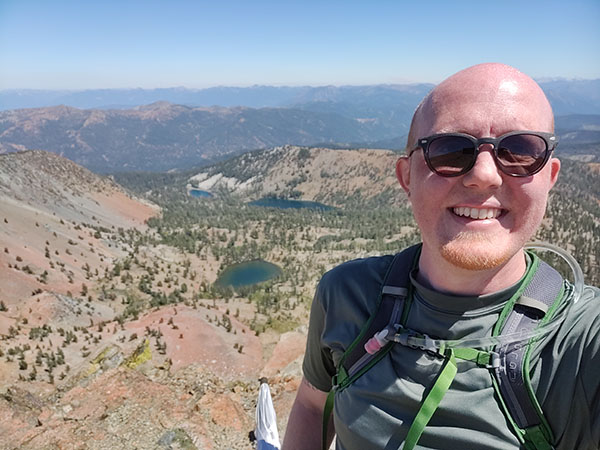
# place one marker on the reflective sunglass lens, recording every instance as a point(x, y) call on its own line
point(451, 155)
point(522, 154)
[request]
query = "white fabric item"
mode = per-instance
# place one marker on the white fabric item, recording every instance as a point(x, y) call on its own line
point(266, 421)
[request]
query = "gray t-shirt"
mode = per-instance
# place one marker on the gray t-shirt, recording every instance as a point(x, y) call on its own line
point(379, 407)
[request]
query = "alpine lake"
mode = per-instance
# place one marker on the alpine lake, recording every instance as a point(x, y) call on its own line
point(248, 273)
point(199, 193)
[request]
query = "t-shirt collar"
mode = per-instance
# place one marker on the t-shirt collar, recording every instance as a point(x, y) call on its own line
point(471, 305)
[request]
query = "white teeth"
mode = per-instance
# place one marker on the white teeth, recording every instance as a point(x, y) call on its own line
point(477, 213)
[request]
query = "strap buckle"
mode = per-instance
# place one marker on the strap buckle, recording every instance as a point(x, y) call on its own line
point(408, 337)
point(494, 360)
point(334, 382)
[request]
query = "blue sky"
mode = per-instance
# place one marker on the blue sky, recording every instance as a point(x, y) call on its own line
point(59, 44)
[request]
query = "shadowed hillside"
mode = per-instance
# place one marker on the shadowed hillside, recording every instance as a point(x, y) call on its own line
point(163, 136)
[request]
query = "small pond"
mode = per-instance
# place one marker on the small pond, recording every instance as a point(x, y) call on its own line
point(247, 273)
point(283, 203)
point(200, 193)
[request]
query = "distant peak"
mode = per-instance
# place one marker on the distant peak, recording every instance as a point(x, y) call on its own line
point(161, 104)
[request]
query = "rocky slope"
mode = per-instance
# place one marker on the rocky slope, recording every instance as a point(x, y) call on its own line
point(52, 213)
point(83, 364)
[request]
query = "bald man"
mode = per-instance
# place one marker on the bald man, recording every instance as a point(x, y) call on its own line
point(478, 170)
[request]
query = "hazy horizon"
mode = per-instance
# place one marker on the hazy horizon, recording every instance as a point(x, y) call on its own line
point(240, 86)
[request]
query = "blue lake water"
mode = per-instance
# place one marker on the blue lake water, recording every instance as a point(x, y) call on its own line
point(247, 273)
point(200, 193)
point(282, 203)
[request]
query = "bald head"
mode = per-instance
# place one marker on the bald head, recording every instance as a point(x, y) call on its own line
point(485, 100)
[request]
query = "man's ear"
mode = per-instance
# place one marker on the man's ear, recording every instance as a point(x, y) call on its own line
point(403, 173)
point(554, 170)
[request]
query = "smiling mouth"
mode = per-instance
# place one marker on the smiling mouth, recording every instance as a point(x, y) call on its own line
point(477, 213)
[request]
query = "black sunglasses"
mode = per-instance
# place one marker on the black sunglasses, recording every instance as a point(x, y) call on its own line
point(518, 153)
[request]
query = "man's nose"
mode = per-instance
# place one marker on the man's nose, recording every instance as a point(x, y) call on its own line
point(484, 174)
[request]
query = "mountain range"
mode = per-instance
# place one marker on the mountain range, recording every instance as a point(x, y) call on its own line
point(252, 97)
point(164, 136)
point(567, 96)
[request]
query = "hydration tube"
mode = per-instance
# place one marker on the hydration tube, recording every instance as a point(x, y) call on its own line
point(439, 344)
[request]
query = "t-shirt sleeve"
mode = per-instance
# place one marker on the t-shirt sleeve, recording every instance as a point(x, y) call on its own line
point(318, 366)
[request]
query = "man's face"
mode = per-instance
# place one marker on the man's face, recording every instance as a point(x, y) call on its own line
point(511, 208)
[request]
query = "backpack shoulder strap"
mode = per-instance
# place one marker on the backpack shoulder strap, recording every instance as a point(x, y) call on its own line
point(389, 311)
point(534, 307)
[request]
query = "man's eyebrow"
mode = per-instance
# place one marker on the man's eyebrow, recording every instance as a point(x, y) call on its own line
point(456, 130)
point(449, 131)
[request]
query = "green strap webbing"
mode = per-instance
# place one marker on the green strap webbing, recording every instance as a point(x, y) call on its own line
point(535, 439)
point(326, 415)
point(481, 358)
point(432, 401)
